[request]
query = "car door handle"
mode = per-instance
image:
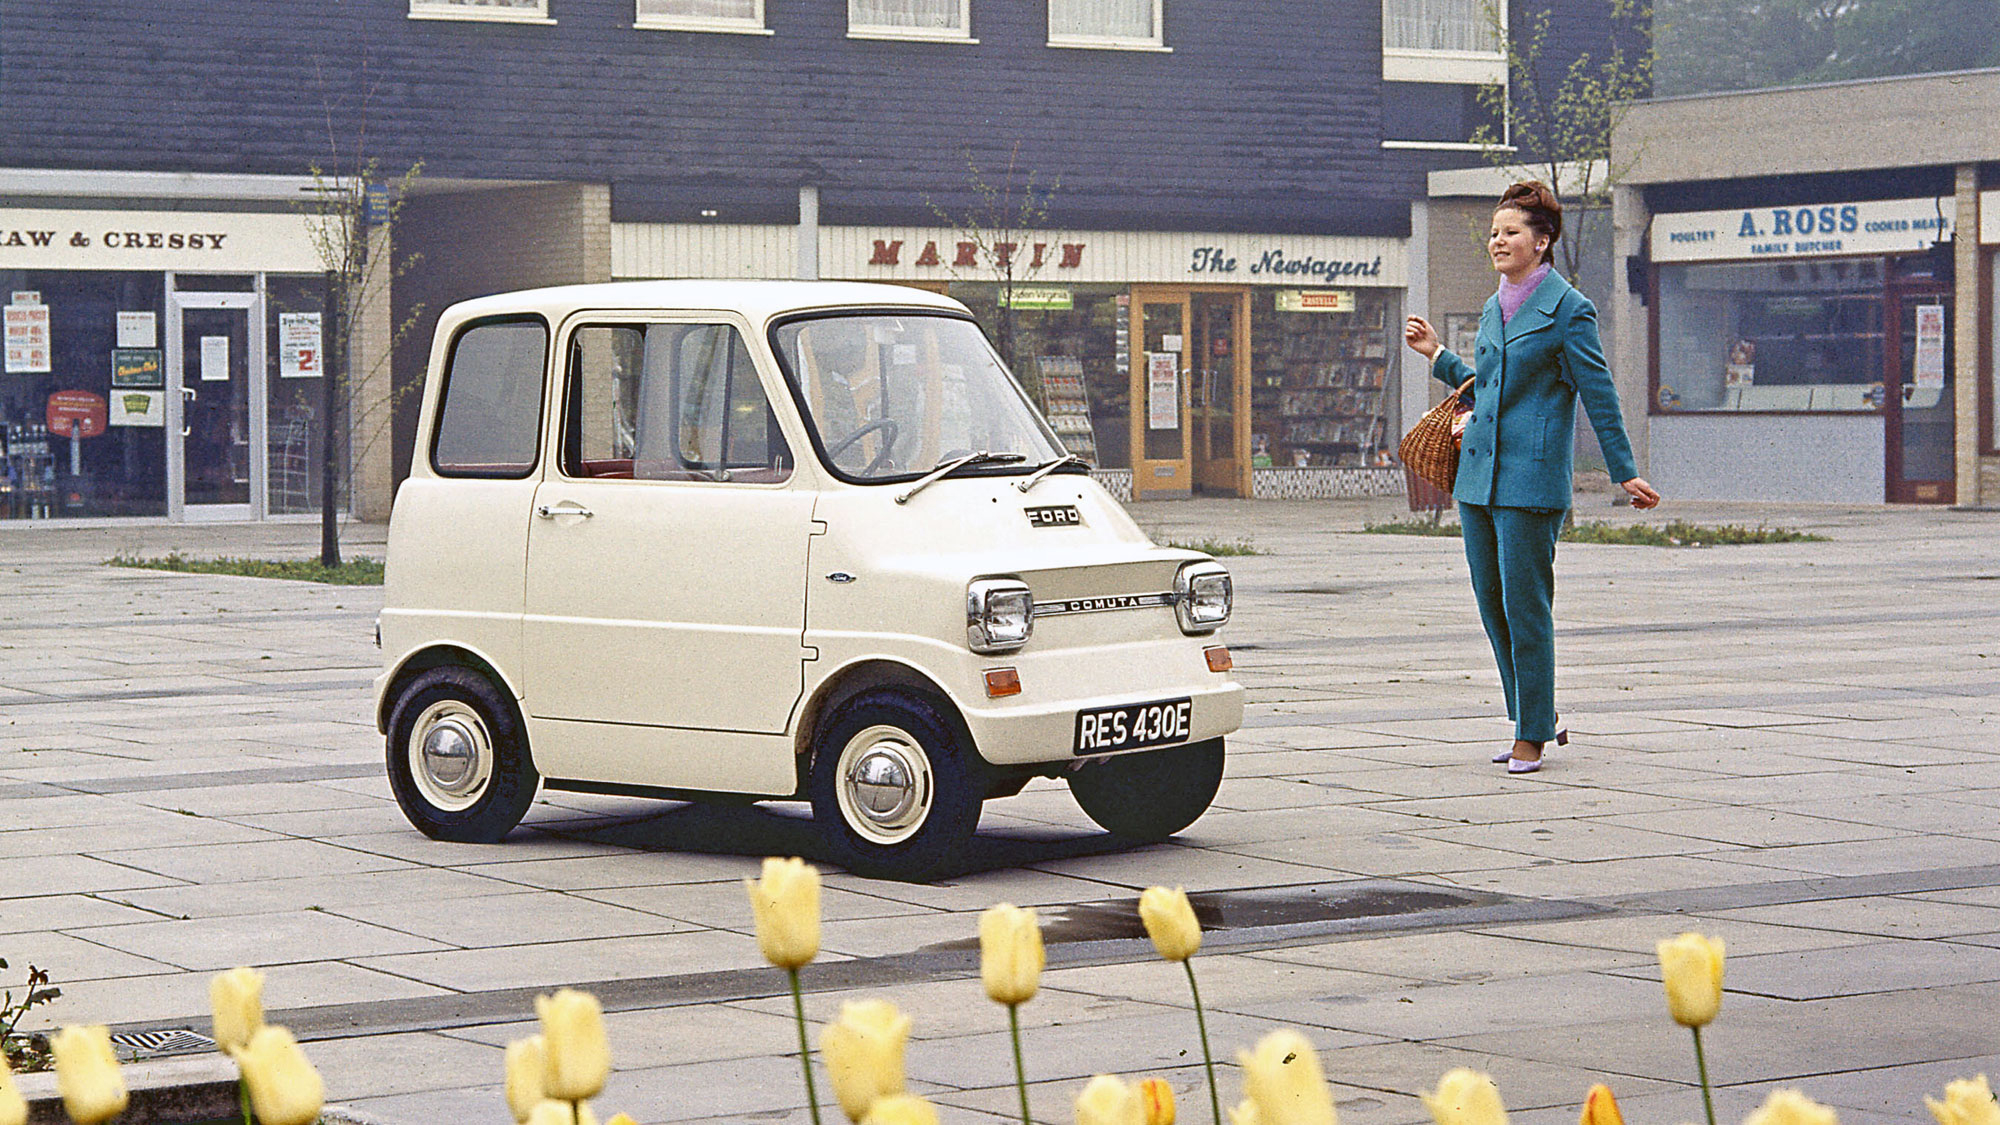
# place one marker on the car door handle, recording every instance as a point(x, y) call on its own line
point(549, 513)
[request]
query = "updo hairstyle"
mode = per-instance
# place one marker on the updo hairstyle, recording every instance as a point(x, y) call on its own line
point(1544, 211)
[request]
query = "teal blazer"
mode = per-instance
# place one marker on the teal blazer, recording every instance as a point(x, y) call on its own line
point(1526, 377)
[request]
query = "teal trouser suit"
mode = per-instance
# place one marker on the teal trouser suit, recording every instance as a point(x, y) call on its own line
point(1513, 486)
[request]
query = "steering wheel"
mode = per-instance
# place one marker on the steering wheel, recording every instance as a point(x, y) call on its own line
point(889, 429)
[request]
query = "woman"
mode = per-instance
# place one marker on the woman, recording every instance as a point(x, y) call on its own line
point(1538, 352)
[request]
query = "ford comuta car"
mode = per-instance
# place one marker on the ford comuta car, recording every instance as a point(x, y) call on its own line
point(778, 541)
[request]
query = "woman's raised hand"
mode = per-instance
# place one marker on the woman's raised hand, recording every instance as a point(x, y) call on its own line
point(1422, 338)
point(1642, 494)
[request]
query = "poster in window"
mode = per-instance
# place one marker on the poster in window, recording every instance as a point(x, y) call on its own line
point(138, 408)
point(1929, 355)
point(27, 336)
point(215, 359)
point(138, 330)
point(298, 345)
point(1163, 390)
point(137, 367)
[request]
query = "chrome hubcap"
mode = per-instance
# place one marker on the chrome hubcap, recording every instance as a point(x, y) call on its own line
point(451, 755)
point(885, 784)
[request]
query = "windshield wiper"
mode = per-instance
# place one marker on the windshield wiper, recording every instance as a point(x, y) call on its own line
point(1045, 470)
point(942, 471)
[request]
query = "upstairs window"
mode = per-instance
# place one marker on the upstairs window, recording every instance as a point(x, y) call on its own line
point(702, 15)
point(506, 11)
point(1118, 24)
point(910, 19)
point(1444, 41)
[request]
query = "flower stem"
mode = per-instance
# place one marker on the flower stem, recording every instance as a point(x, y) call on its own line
point(243, 1099)
point(1701, 1064)
point(1020, 1071)
point(805, 1052)
point(1207, 1060)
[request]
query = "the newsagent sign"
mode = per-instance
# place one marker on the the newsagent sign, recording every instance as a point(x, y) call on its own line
point(1884, 226)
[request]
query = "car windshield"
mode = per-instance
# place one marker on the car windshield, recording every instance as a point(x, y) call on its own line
point(891, 397)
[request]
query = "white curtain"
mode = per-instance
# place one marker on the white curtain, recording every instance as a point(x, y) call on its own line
point(932, 14)
point(1102, 19)
point(701, 9)
point(1438, 25)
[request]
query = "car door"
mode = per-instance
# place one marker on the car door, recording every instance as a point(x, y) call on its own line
point(666, 565)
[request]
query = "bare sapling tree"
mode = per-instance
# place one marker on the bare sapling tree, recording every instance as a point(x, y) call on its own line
point(1003, 238)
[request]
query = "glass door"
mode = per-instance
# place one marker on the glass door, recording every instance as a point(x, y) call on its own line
point(1160, 376)
point(1917, 412)
point(216, 406)
point(1220, 391)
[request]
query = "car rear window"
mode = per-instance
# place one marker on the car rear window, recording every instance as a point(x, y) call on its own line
point(490, 415)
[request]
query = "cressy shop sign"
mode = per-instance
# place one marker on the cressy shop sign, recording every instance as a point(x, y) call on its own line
point(242, 242)
point(1886, 226)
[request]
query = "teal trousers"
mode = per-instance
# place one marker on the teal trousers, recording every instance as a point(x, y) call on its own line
point(1512, 554)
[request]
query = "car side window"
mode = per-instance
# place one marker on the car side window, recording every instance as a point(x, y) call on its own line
point(669, 402)
point(490, 414)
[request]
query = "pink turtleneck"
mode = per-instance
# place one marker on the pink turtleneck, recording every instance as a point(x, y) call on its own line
point(1513, 296)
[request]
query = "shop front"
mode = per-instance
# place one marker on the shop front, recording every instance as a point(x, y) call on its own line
point(1805, 351)
point(158, 364)
point(1177, 364)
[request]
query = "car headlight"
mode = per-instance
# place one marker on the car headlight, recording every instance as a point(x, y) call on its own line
point(1203, 595)
point(999, 614)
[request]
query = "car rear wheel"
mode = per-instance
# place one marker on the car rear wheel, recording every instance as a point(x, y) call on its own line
point(894, 786)
point(1152, 794)
point(458, 760)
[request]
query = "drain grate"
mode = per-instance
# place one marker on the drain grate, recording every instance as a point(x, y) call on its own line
point(153, 1044)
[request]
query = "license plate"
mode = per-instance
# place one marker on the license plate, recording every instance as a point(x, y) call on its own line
point(1134, 725)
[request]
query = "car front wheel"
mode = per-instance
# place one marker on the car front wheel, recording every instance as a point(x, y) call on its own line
point(457, 757)
point(893, 785)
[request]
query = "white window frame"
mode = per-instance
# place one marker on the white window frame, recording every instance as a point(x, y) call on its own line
point(439, 10)
point(1468, 68)
point(960, 34)
point(1157, 42)
point(654, 22)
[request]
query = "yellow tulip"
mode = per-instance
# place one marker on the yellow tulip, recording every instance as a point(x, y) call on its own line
point(1968, 1101)
point(525, 1062)
point(785, 902)
point(1466, 1097)
point(1282, 1077)
point(284, 1088)
point(621, 1119)
point(1789, 1107)
point(1170, 922)
point(1109, 1100)
point(863, 1050)
point(1244, 1113)
point(551, 1112)
point(1600, 1108)
point(87, 1074)
point(1010, 953)
point(901, 1109)
point(1158, 1100)
point(13, 1107)
point(1691, 966)
point(237, 999)
point(575, 1056)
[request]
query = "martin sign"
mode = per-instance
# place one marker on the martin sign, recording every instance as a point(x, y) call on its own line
point(1890, 226)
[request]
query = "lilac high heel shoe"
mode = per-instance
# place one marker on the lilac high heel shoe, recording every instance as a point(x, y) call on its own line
point(1506, 757)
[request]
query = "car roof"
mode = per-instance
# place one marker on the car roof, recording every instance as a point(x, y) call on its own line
point(757, 300)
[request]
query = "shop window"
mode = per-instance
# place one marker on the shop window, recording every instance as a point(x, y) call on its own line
point(1126, 24)
point(1993, 358)
point(910, 19)
point(490, 418)
point(701, 15)
point(513, 11)
point(1771, 336)
point(1320, 394)
point(1066, 350)
point(1443, 41)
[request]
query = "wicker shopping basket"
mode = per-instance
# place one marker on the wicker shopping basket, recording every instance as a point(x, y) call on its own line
point(1430, 449)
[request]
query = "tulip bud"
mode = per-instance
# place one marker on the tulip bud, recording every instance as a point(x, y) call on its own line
point(1244, 1113)
point(901, 1109)
point(1466, 1097)
point(552, 1112)
point(575, 1056)
point(863, 1051)
point(1010, 953)
point(621, 1119)
point(13, 1107)
point(1170, 922)
point(1968, 1101)
point(87, 1074)
point(1157, 1098)
point(237, 999)
point(1281, 1076)
point(1600, 1108)
point(1789, 1107)
point(1108, 1100)
point(785, 902)
point(1691, 966)
point(284, 1088)
point(526, 1059)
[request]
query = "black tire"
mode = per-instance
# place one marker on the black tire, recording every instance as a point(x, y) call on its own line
point(1152, 794)
point(479, 783)
point(913, 827)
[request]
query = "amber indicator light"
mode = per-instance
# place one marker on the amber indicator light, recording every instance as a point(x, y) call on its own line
point(1218, 659)
point(1007, 681)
